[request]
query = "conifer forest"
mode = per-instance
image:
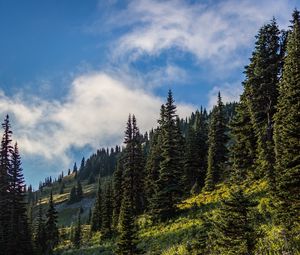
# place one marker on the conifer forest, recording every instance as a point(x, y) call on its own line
point(220, 181)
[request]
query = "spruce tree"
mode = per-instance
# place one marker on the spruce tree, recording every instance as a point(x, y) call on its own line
point(19, 241)
point(133, 165)
point(40, 234)
point(126, 244)
point(96, 221)
point(261, 86)
point(243, 149)
point(217, 151)
point(169, 185)
point(79, 191)
point(117, 191)
point(201, 141)
point(77, 232)
point(107, 210)
point(5, 165)
point(287, 126)
point(152, 166)
point(73, 195)
point(234, 230)
point(130, 184)
point(51, 229)
point(191, 170)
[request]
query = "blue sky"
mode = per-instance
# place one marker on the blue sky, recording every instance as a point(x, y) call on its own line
point(71, 70)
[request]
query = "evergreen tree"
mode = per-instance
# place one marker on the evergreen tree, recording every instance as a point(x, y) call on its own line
point(107, 210)
point(243, 148)
point(62, 187)
point(117, 191)
point(217, 151)
point(75, 169)
point(19, 241)
point(234, 229)
point(79, 192)
point(77, 232)
point(191, 170)
point(168, 187)
point(5, 165)
point(201, 137)
point(96, 220)
point(73, 195)
point(40, 234)
point(133, 165)
point(152, 166)
point(51, 229)
point(261, 85)
point(126, 244)
point(287, 126)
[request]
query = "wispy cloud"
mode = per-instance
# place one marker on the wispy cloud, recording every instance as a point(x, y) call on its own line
point(214, 33)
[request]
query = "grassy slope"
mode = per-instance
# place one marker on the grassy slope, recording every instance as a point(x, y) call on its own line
point(178, 236)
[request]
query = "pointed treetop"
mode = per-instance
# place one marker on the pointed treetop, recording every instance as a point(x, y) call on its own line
point(296, 17)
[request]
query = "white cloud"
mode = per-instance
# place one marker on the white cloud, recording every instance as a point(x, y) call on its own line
point(94, 113)
point(214, 32)
point(229, 93)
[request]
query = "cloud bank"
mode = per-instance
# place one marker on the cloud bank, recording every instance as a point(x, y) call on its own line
point(94, 113)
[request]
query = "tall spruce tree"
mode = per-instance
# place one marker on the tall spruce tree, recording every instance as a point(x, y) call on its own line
point(261, 85)
point(152, 166)
point(169, 185)
point(19, 241)
point(234, 231)
point(201, 141)
point(51, 229)
point(40, 240)
point(5, 165)
point(77, 232)
point(243, 149)
point(79, 191)
point(96, 221)
point(132, 165)
point(217, 151)
point(107, 210)
point(117, 191)
point(287, 126)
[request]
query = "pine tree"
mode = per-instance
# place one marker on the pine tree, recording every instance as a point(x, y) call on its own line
point(117, 191)
point(243, 149)
point(79, 191)
point(287, 126)
point(127, 239)
point(130, 184)
point(106, 227)
point(191, 170)
point(73, 195)
point(152, 166)
point(77, 232)
point(261, 85)
point(133, 165)
point(234, 229)
point(51, 229)
point(168, 187)
point(201, 140)
point(62, 187)
point(217, 151)
point(40, 234)
point(5, 165)
point(19, 241)
point(96, 221)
